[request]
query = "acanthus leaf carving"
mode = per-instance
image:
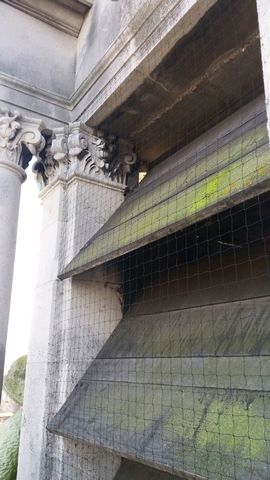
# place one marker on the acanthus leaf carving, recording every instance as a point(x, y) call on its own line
point(60, 145)
point(76, 150)
point(53, 159)
point(20, 138)
point(112, 156)
point(97, 161)
point(77, 141)
point(122, 161)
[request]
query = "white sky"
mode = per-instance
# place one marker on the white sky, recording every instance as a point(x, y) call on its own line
point(25, 271)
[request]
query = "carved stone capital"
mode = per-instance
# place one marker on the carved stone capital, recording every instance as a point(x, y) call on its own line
point(77, 150)
point(20, 138)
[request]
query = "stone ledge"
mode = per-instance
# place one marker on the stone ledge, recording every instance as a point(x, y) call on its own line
point(65, 15)
point(132, 56)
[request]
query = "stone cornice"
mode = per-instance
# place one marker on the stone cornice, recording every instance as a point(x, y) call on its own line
point(134, 54)
point(152, 32)
point(26, 88)
point(30, 101)
point(65, 15)
point(77, 151)
point(20, 138)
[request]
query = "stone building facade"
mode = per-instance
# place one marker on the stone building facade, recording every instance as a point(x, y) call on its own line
point(97, 92)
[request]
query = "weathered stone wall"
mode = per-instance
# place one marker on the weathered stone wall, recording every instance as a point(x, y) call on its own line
point(104, 22)
point(71, 214)
point(68, 320)
point(62, 78)
point(48, 287)
point(35, 52)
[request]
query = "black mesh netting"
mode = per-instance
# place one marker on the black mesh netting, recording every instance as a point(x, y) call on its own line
point(159, 352)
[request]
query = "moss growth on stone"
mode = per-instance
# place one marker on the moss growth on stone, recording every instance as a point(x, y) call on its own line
point(238, 431)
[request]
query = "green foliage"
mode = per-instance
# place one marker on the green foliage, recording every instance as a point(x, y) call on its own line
point(14, 380)
point(9, 446)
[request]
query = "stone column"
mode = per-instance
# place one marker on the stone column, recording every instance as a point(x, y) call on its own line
point(20, 138)
point(263, 8)
point(84, 178)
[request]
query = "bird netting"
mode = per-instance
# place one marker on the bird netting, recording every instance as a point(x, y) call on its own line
point(159, 352)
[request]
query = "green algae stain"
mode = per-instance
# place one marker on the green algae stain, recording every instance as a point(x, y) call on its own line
point(235, 428)
point(222, 438)
point(239, 147)
point(180, 208)
point(185, 417)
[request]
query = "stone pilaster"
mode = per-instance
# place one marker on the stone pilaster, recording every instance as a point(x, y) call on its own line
point(83, 175)
point(20, 139)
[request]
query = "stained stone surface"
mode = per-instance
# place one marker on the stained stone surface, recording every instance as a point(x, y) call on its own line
point(199, 182)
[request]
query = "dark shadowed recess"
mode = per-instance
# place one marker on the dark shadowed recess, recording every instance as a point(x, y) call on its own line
point(218, 243)
point(134, 471)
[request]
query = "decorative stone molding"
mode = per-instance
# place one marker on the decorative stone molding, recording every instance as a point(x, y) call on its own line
point(65, 15)
point(20, 138)
point(77, 150)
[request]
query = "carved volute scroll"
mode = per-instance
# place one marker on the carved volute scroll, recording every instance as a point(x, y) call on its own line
point(77, 150)
point(20, 138)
